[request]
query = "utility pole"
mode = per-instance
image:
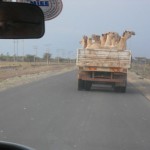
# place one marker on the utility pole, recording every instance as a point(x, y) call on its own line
point(17, 50)
point(47, 53)
point(47, 56)
point(35, 47)
point(23, 51)
point(59, 55)
point(14, 51)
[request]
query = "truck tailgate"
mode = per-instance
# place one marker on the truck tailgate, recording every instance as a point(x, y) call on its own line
point(103, 58)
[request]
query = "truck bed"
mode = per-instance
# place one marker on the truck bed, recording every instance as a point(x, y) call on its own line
point(103, 58)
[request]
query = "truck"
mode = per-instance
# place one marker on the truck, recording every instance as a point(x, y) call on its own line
point(103, 66)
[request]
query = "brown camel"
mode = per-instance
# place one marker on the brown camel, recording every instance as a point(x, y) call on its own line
point(110, 36)
point(89, 43)
point(103, 39)
point(122, 45)
point(83, 41)
point(96, 42)
point(115, 40)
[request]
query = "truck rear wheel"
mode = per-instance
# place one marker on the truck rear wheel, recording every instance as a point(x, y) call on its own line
point(80, 84)
point(123, 89)
point(88, 85)
point(116, 89)
point(120, 89)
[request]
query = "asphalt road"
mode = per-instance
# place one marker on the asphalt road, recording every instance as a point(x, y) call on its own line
point(51, 114)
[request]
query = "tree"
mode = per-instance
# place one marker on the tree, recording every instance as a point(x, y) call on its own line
point(47, 57)
point(29, 58)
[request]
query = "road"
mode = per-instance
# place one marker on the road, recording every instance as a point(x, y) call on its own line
point(51, 114)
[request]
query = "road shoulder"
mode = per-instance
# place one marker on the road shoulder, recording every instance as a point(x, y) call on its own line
point(140, 83)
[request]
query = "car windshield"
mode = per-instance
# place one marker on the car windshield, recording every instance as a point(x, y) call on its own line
point(84, 84)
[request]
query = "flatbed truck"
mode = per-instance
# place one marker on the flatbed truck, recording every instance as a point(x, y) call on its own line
point(103, 66)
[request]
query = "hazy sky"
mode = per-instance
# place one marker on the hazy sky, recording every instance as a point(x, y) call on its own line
point(86, 17)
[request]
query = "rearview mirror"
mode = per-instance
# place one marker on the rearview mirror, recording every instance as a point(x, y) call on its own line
point(21, 21)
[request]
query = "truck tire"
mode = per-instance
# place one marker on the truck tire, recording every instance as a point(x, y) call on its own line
point(116, 89)
point(123, 89)
point(120, 89)
point(88, 85)
point(80, 84)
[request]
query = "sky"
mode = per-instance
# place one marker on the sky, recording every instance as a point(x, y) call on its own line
point(87, 17)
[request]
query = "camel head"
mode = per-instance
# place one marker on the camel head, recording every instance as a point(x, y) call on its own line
point(89, 40)
point(111, 34)
point(96, 38)
point(116, 37)
point(128, 34)
point(104, 36)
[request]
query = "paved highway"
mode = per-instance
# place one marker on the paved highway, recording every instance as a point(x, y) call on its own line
point(51, 114)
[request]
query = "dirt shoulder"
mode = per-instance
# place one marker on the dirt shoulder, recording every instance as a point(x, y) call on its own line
point(11, 77)
point(140, 83)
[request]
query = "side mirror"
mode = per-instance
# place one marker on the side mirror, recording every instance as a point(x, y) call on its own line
point(21, 21)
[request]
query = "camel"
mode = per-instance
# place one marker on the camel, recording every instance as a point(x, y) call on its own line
point(103, 39)
point(115, 40)
point(110, 36)
point(89, 43)
point(96, 38)
point(83, 41)
point(122, 43)
point(96, 44)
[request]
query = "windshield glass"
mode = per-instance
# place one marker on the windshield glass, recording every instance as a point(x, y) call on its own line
point(85, 84)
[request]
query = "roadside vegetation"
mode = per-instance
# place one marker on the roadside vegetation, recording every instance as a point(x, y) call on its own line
point(141, 66)
point(12, 66)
